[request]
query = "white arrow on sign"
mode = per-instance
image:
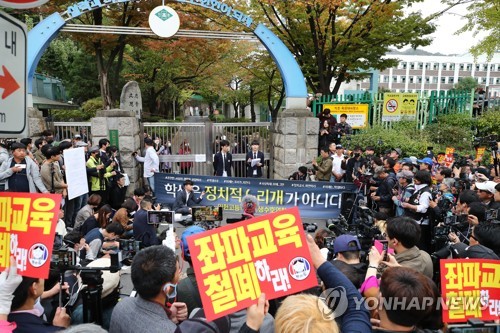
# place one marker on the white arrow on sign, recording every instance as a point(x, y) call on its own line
point(13, 116)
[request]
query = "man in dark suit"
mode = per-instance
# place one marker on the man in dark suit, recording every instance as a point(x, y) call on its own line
point(223, 160)
point(254, 169)
point(144, 232)
point(185, 199)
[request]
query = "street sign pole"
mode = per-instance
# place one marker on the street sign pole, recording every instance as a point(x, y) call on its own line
point(13, 76)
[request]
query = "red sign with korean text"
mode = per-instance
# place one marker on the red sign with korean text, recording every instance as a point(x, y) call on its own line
point(480, 153)
point(27, 227)
point(236, 263)
point(449, 159)
point(470, 289)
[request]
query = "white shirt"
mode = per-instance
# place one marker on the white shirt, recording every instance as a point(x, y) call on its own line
point(151, 162)
point(337, 164)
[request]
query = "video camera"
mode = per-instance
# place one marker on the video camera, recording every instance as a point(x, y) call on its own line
point(474, 326)
point(63, 259)
point(456, 220)
point(129, 249)
point(310, 227)
point(160, 217)
point(491, 141)
point(328, 243)
point(207, 213)
point(493, 215)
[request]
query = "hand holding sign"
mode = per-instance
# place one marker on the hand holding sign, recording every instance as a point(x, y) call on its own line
point(257, 312)
point(266, 254)
point(9, 281)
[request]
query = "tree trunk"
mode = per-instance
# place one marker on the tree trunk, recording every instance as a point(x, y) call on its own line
point(236, 109)
point(252, 107)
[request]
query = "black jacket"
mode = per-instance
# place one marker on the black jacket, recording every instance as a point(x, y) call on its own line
point(250, 169)
point(144, 232)
point(180, 205)
point(29, 323)
point(220, 166)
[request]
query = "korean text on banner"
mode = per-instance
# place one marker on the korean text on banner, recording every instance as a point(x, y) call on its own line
point(27, 227)
point(236, 263)
point(409, 105)
point(471, 289)
point(449, 159)
point(392, 107)
point(314, 199)
point(357, 114)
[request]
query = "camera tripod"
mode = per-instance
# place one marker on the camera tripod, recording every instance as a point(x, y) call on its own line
point(91, 295)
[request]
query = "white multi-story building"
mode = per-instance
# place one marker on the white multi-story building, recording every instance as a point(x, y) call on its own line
point(416, 73)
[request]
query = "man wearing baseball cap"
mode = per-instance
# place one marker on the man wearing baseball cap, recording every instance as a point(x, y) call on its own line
point(426, 164)
point(486, 193)
point(405, 190)
point(347, 250)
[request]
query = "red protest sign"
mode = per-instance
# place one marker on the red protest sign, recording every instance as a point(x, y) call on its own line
point(471, 289)
point(449, 158)
point(236, 263)
point(27, 227)
point(22, 4)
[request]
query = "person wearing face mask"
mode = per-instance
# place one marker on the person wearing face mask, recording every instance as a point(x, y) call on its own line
point(354, 165)
point(185, 150)
point(155, 273)
point(327, 124)
point(166, 149)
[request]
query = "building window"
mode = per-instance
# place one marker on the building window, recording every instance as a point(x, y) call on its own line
point(492, 67)
point(427, 65)
point(491, 80)
point(419, 79)
point(403, 79)
point(497, 80)
point(443, 79)
point(411, 79)
point(451, 79)
point(451, 67)
point(444, 66)
point(483, 80)
point(435, 79)
point(477, 67)
point(435, 66)
point(462, 67)
point(427, 79)
point(469, 67)
point(395, 79)
point(485, 67)
point(386, 79)
point(420, 65)
point(405, 64)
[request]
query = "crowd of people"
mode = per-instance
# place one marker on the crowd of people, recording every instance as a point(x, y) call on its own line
point(411, 200)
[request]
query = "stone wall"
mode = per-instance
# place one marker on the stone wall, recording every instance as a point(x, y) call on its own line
point(36, 122)
point(295, 140)
point(128, 138)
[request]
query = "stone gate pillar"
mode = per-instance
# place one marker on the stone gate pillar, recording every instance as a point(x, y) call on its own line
point(295, 141)
point(105, 125)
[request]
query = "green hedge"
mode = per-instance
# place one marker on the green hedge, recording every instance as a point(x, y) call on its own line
point(452, 130)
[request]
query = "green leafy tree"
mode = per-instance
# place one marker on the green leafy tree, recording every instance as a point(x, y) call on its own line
point(466, 83)
point(69, 62)
point(482, 16)
point(334, 39)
